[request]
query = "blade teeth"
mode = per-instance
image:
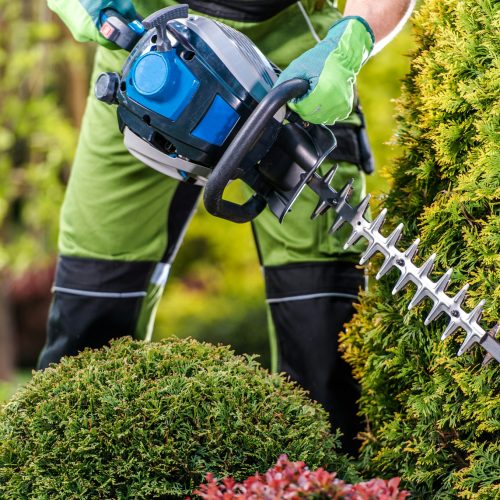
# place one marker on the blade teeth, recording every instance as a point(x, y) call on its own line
point(452, 327)
point(403, 280)
point(494, 331)
point(460, 296)
point(394, 237)
point(412, 249)
point(337, 224)
point(355, 236)
point(435, 312)
point(418, 297)
point(346, 192)
point(377, 223)
point(328, 177)
point(444, 281)
point(320, 209)
point(487, 359)
point(476, 313)
point(469, 341)
point(385, 267)
point(427, 267)
point(361, 208)
point(369, 252)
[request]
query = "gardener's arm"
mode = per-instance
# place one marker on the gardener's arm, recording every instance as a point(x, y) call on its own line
point(385, 17)
point(332, 65)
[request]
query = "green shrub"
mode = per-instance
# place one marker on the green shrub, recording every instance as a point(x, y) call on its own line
point(433, 417)
point(139, 420)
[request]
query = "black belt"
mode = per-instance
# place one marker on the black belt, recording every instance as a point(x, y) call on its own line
point(240, 10)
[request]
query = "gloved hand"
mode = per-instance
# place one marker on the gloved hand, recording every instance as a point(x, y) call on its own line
point(331, 67)
point(82, 17)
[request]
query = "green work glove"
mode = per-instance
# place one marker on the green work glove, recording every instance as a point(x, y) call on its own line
point(331, 67)
point(83, 17)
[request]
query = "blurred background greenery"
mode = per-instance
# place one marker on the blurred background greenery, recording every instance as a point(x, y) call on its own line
point(216, 291)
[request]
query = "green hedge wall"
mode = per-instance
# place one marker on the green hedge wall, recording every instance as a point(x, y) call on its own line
point(434, 418)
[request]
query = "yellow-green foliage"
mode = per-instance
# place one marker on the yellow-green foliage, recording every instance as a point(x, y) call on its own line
point(434, 418)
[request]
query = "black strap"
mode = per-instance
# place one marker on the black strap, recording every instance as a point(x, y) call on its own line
point(251, 11)
point(181, 210)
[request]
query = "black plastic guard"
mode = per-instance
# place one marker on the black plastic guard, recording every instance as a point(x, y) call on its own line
point(299, 151)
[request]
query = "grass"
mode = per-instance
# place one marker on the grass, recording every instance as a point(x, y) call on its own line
point(8, 388)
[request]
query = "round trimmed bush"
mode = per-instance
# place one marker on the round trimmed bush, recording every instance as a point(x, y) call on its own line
point(144, 420)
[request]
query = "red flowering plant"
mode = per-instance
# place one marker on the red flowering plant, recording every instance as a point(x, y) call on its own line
point(290, 480)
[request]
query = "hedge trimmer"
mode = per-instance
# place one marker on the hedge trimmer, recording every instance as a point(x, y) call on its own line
point(196, 102)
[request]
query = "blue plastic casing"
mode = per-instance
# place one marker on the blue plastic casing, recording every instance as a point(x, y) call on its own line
point(160, 81)
point(217, 123)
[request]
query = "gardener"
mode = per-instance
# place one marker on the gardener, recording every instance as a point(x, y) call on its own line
point(122, 223)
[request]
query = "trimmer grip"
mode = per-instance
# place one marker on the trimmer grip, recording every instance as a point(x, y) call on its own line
point(119, 30)
point(242, 144)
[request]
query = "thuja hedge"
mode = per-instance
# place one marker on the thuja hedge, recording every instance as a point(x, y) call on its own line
point(434, 418)
point(139, 420)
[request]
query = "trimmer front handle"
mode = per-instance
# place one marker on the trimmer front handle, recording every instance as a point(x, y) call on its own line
point(247, 137)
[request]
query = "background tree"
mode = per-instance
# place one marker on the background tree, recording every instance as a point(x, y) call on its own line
point(432, 417)
point(43, 83)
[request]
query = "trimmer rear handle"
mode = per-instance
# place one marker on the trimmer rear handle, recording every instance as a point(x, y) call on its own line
point(119, 30)
point(242, 144)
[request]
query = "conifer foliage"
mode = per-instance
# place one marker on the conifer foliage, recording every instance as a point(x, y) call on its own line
point(148, 420)
point(433, 418)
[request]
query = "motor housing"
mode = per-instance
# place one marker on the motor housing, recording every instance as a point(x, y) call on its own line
point(185, 90)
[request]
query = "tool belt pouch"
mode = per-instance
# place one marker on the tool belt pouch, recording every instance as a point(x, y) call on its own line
point(352, 144)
